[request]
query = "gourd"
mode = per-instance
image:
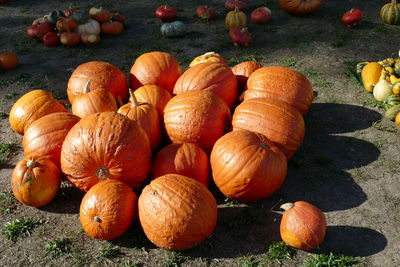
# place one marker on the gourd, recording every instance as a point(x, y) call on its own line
point(390, 101)
point(54, 15)
point(80, 16)
point(390, 13)
point(382, 89)
point(391, 113)
point(300, 7)
point(89, 27)
point(173, 29)
point(235, 18)
point(370, 75)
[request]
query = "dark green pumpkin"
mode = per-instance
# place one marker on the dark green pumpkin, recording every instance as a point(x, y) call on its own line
point(390, 101)
point(173, 29)
point(80, 16)
point(54, 15)
point(390, 13)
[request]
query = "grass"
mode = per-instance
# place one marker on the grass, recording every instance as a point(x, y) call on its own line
point(311, 72)
point(6, 150)
point(384, 128)
point(331, 260)
point(20, 228)
point(174, 259)
point(372, 102)
point(58, 247)
point(292, 63)
point(248, 261)
point(107, 251)
point(279, 251)
point(230, 202)
point(130, 264)
point(340, 39)
point(8, 203)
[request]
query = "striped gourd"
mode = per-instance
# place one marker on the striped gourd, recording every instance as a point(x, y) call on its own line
point(390, 13)
point(390, 101)
point(235, 18)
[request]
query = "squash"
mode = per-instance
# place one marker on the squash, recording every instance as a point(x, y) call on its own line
point(391, 113)
point(390, 101)
point(154, 95)
point(112, 27)
point(208, 57)
point(173, 29)
point(397, 66)
point(235, 18)
point(360, 66)
point(370, 75)
point(300, 7)
point(390, 13)
point(54, 15)
point(396, 88)
point(70, 38)
point(90, 27)
point(243, 71)
point(397, 119)
point(9, 61)
point(81, 16)
point(303, 225)
point(177, 212)
point(382, 89)
point(90, 39)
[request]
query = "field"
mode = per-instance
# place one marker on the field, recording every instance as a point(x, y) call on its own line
point(348, 164)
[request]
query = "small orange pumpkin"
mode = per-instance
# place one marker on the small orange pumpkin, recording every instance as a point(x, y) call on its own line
point(208, 57)
point(242, 72)
point(90, 39)
point(154, 95)
point(8, 61)
point(112, 27)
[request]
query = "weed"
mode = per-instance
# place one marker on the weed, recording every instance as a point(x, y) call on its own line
point(323, 84)
point(372, 102)
point(311, 72)
point(279, 251)
point(331, 260)
point(6, 150)
point(290, 62)
point(322, 160)
point(230, 202)
point(107, 251)
point(384, 128)
point(248, 261)
point(130, 264)
point(381, 28)
point(341, 38)
point(19, 228)
point(8, 203)
point(11, 95)
point(174, 259)
point(57, 247)
point(333, 100)
point(3, 115)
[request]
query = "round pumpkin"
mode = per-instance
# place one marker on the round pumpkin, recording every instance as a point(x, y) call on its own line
point(173, 29)
point(303, 225)
point(146, 116)
point(32, 106)
point(208, 57)
point(246, 166)
point(185, 159)
point(235, 18)
point(112, 27)
point(35, 181)
point(44, 137)
point(105, 145)
point(89, 102)
point(242, 72)
point(102, 75)
point(300, 7)
point(198, 117)
point(108, 209)
point(177, 212)
point(154, 95)
point(390, 13)
point(277, 120)
point(281, 83)
point(210, 75)
point(155, 68)
point(8, 61)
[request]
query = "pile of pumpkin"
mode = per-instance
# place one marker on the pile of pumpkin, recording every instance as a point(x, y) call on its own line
point(177, 126)
point(382, 79)
point(72, 26)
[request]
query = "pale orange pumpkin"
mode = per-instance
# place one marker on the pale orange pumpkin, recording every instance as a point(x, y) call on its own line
point(154, 95)
point(242, 72)
point(208, 57)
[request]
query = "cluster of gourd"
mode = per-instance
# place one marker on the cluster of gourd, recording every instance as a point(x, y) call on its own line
point(382, 79)
point(72, 26)
point(105, 146)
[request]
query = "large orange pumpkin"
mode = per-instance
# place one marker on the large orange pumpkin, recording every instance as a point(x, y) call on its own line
point(303, 225)
point(105, 145)
point(242, 72)
point(300, 7)
point(177, 212)
point(154, 95)
point(108, 209)
point(210, 75)
point(102, 75)
point(208, 57)
point(281, 83)
point(186, 159)
point(277, 120)
point(155, 68)
point(44, 137)
point(35, 181)
point(198, 117)
point(32, 106)
point(246, 166)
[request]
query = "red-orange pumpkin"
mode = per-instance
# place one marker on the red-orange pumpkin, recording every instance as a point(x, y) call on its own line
point(186, 159)
point(303, 225)
point(209, 75)
point(281, 83)
point(112, 27)
point(208, 57)
point(277, 120)
point(105, 145)
point(177, 212)
point(9, 61)
point(242, 72)
point(155, 68)
point(246, 166)
point(108, 209)
point(154, 95)
point(300, 7)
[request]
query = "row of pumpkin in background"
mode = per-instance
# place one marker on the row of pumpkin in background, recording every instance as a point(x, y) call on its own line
point(107, 154)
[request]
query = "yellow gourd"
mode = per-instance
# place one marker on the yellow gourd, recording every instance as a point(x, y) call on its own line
point(370, 75)
point(396, 88)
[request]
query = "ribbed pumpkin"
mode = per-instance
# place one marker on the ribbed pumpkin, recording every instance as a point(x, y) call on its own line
point(89, 102)
point(177, 212)
point(155, 68)
point(198, 117)
point(246, 166)
point(44, 137)
point(277, 120)
point(242, 72)
point(108, 209)
point(105, 145)
point(300, 7)
point(146, 116)
point(186, 159)
point(102, 75)
point(281, 83)
point(235, 18)
point(35, 181)
point(154, 95)
point(215, 76)
point(390, 13)
point(208, 57)
point(32, 106)
point(303, 225)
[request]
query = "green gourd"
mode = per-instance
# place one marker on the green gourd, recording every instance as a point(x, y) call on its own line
point(173, 29)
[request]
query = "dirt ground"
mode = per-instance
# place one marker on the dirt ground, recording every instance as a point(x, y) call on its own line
point(348, 164)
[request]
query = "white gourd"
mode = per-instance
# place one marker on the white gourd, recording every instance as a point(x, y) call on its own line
point(382, 89)
point(90, 27)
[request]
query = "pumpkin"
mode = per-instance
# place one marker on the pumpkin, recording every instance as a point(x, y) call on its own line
point(99, 14)
point(215, 76)
point(390, 13)
point(54, 15)
point(277, 120)
point(90, 39)
point(108, 209)
point(208, 57)
point(205, 12)
point(154, 95)
point(66, 24)
point(199, 117)
point(177, 212)
point(232, 4)
point(370, 75)
point(246, 166)
point(303, 225)
point(105, 145)
point(185, 159)
point(89, 27)
point(44, 137)
point(70, 38)
point(155, 68)
point(35, 181)
point(81, 16)
point(117, 17)
point(51, 39)
point(112, 27)
point(352, 17)
point(242, 72)
point(166, 13)
point(146, 115)
point(235, 18)
point(261, 15)
point(32, 106)
point(8, 61)
point(102, 75)
point(173, 29)
point(240, 36)
point(300, 7)
point(281, 83)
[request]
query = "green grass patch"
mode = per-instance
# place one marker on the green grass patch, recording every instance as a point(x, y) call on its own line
point(384, 128)
point(331, 260)
point(278, 251)
point(173, 259)
point(20, 228)
point(311, 72)
point(291, 63)
point(6, 150)
point(58, 247)
point(372, 102)
point(8, 203)
point(230, 202)
point(107, 251)
point(248, 261)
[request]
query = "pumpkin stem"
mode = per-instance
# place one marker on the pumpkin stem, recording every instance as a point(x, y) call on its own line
point(97, 219)
point(86, 89)
point(264, 145)
point(237, 9)
point(31, 163)
point(102, 173)
point(135, 103)
point(287, 206)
